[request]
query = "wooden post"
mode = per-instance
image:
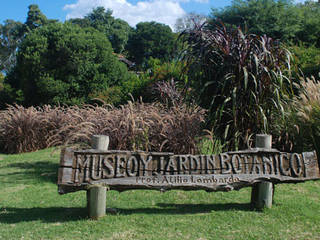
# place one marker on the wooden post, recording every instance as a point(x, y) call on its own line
point(96, 195)
point(97, 205)
point(100, 142)
point(262, 193)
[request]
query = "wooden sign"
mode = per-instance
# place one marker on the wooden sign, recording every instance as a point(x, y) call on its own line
point(124, 170)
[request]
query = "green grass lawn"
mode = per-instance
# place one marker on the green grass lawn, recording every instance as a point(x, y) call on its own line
point(31, 208)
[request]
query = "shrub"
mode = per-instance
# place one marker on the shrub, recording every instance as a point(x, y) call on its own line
point(161, 73)
point(27, 129)
point(135, 126)
point(64, 64)
point(306, 58)
point(168, 93)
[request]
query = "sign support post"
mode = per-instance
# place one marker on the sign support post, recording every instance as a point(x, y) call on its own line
point(260, 168)
point(96, 195)
point(262, 193)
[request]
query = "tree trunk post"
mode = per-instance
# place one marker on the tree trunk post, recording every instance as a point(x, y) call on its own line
point(262, 193)
point(96, 195)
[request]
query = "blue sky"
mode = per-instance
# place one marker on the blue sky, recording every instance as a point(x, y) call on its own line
point(133, 11)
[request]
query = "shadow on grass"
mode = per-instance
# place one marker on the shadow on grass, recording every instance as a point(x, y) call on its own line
point(60, 214)
point(42, 170)
point(169, 208)
point(47, 215)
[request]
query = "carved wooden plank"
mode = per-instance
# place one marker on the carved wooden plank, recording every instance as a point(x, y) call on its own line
point(123, 170)
point(67, 157)
point(64, 175)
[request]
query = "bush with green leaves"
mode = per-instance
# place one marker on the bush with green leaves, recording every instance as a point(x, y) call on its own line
point(306, 59)
point(286, 20)
point(150, 39)
point(163, 73)
point(243, 79)
point(65, 64)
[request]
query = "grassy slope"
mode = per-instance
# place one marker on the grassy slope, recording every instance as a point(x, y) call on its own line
point(30, 208)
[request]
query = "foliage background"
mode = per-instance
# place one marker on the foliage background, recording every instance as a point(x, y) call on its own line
point(242, 97)
point(64, 64)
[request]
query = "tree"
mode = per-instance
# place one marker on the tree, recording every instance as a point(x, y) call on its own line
point(150, 39)
point(310, 23)
point(119, 35)
point(63, 63)
point(189, 21)
point(11, 33)
point(116, 30)
point(35, 18)
point(277, 19)
point(288, 21)
point(82, 22)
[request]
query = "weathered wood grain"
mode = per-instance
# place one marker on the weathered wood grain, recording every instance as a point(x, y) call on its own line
point(96, 194)
point(123, 170)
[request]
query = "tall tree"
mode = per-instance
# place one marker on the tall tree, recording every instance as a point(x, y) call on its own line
point(189, 21)
point(35, 18)
point(11, 33)
point(115, 29)
point(310, 23)
point(151, 39)
point(278, 19)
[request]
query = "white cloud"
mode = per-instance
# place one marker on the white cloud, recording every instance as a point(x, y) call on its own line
point(163, 11)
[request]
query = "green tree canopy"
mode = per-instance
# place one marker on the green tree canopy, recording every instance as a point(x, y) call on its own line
point(35, 18)
point(151, 39)
point(64, 63)
point(277, 19)
point(115, 29)
point(310, 22)
point(12, 33)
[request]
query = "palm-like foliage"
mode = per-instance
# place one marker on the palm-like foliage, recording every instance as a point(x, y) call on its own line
point(244, 79)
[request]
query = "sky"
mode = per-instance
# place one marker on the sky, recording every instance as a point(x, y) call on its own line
point(132, 11)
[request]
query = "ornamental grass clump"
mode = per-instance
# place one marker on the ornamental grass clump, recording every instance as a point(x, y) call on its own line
point(243, 79)
point(304, 119)
point(134, 126)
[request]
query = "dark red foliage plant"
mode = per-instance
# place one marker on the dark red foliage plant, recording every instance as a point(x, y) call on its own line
point(243, 79)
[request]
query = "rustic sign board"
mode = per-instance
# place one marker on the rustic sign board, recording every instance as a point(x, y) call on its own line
point(124, 170)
